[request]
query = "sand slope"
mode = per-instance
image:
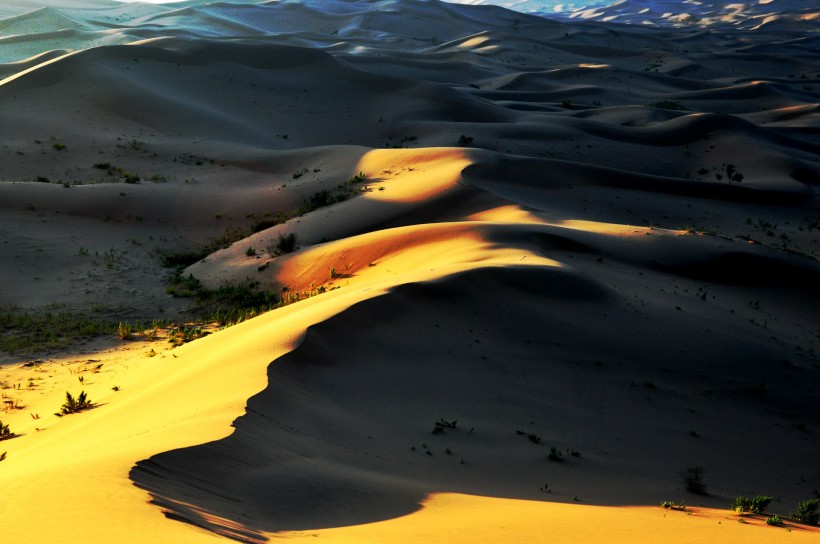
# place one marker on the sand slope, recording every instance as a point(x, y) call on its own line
point(567, 234)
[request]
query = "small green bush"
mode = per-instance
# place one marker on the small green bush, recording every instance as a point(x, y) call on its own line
point(72, 405)
point(555, 454)
point(755, 505)
point(184, 334)
point(29, 332)
point(774, 520)
point(184, 286)
point(124, 330)
point(672, 505)
point(807, 512)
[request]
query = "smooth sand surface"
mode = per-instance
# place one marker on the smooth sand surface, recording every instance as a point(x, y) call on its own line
point(586, 247)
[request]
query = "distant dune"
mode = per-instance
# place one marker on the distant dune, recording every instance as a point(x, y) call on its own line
point(532, 276)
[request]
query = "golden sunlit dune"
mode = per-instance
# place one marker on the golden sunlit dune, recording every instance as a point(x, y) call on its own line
point(408, 271)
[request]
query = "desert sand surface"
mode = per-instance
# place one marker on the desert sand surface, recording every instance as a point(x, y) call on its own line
point(526, 270)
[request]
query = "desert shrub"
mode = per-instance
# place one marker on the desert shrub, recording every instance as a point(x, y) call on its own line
point(278, 219)
point(184, 334)
point(442, 424)
point(178, 260)
point(357, 178)
point(183, 259)
point(774, 520)
point(325, 197)
point(755, 505)
point(124, 330)
point(672, 505)
point(692, 480)
point(72, 405)
point(244, 296)
point(555, 454)
point(23, 331)
point(286, 243)
point(182, 286)
point(5, 433)
point(732, 173)
point(667, 105)
point(317, 200)
point(807, 511)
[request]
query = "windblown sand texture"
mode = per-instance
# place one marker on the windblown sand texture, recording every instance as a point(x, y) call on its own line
point(570, 233)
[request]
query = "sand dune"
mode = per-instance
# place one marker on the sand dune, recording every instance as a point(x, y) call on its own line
point(783, 14)
point(584, 251)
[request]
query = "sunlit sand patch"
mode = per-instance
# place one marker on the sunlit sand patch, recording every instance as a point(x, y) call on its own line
point(457, 518)
point(417, 253)
point(614, 229)
point(508, 214)
point(474, 42)
point(423, 174)
point(23, 73)
point(516, 214)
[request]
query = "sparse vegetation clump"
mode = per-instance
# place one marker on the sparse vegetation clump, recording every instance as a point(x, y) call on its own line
point(124, 330)
point(667, 105)
point(5, 432)
point(692, 480)
point(185, 333)
point(806, 512)
point(442, 424)
point(465, 140)
point(732, 173)
point(27, 331)
point(72, 405)
point(179, 260)
point(774, 520)
point(672, 505)
point(184, 286)
point(754, 505)
point(285, 243)
point(231, 304)
point(326, 197)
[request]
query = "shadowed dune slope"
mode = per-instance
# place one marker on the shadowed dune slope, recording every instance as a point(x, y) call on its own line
point(340, 436)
